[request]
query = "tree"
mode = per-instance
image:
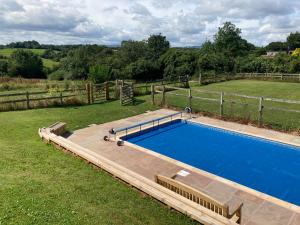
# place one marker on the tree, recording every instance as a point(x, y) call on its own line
point(24, 44)
point(143, 70)
point(157, 45)
point(26, 64)
point(133, 50)
point(277, 46)
point(99, 73)
point(228, 41)
point(293, 40)
point(178, 62)
point(3, 67)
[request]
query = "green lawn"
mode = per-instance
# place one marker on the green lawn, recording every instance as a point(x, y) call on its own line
point(244, 108)
point(49, 63)
point(9, 51)
point(42, 185)
point(258, 88)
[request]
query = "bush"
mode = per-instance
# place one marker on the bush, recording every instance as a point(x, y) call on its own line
point(99, 73)
point(26, 64)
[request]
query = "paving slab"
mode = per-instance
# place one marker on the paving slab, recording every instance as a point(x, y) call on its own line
point(258, 208)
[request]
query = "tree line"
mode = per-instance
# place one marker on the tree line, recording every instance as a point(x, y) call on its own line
point(153, 58)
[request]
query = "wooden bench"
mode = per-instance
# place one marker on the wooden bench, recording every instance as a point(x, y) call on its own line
point(57, 128)
point(200, 198)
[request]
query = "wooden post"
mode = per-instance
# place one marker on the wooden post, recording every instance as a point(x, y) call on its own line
point(221, 104)
point(187, 81)
point(106, 90)
point(152, 94)
point(88, 95)
point(163, 101)
point(116, 89)
point(260, 110)
point(27, 100)
point(121, 94)
point(200, 78)
point(132, 97)
point(61, 98)
point(281, 77)
point(146, 87)
point(190, 98)
point(92, 92)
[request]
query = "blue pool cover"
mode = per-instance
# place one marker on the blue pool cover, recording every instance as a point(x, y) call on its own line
point(269, 167)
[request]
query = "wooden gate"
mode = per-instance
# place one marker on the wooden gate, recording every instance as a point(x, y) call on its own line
point(99, 92)
point(126, 94)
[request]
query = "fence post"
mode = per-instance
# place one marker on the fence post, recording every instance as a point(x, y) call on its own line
point(190, 98)
point(121, 94)
point(281, 77)
point(146, 87)
point(152, 94)
point(163, 101)
point(221, 104)
point(106, 90)
point(260, 110)
point(27, 100)
point(200, 78)
point(92, 92)
point(61, 98)
point(88, 95)
point(116, 89)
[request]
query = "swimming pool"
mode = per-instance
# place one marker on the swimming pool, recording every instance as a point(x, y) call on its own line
point(267, 166)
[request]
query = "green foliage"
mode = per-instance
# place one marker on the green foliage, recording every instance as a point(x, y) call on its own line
point(3, 67)
point(277, 46)
point(99, 73)
point(59, 75)
point(143, 70)
point(157, 45)
point(178, 62)
point(24, 44)
point(26, 64)
point(228, 40)
point(131, 51)
point(293, 40)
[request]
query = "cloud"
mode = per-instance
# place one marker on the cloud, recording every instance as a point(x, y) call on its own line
point(184, 22)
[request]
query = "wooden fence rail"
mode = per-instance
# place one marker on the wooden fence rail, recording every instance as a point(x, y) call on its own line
point(258, 102)
point(212, 78)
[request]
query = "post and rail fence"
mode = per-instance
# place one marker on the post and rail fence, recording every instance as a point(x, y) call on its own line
point(204, 78)
point(229, 105)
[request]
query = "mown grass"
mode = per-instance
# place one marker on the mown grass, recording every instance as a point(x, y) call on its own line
point(244, 109)
point(273, 89)
point(42, 185)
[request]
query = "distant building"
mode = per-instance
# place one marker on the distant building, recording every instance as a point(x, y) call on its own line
point(272, 54)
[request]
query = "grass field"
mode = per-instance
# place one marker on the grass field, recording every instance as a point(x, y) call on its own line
point(257, 88)
point(42, 185)
point(8, 51)
point(244, 108)
point(46, 62)
point(49, 63)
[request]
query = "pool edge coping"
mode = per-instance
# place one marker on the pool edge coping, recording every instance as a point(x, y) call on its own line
point(212, 176)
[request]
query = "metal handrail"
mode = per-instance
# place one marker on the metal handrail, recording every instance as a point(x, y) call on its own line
point(115, 131)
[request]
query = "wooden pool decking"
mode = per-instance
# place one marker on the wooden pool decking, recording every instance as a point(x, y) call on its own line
point(258, 208)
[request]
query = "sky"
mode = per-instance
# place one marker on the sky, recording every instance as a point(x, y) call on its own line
point(183, 22)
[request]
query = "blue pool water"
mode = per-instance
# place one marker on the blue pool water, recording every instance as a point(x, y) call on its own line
point(263, 165)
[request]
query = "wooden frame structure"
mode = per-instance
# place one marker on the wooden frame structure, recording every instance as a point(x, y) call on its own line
point(150, 187)
point(200, 198)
